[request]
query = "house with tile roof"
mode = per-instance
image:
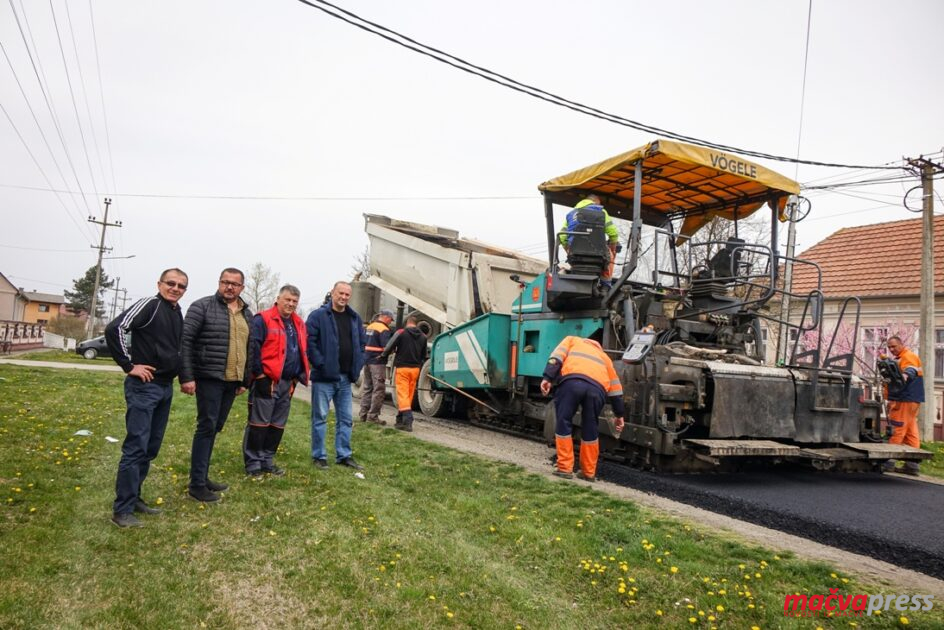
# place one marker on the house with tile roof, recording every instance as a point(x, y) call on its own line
point(881, 265)
point(42, 308)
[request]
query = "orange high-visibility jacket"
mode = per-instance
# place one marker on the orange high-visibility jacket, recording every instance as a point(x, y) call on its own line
point(586, 358)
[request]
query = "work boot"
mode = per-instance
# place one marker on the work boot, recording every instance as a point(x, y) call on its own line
point(563, 474)
point(274, 470)
point(889, 466)
point(399, 421)
point(376, 420)
point(350, 463)
point(126, 519)
point(911, 468)
point(320, 463)
point(202, 494)
point(213, 486)
point(585, 477)
point(143, 508)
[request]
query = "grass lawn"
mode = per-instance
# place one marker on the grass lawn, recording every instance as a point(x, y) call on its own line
point(62, 356)
point(431, 538)
point(933, 467)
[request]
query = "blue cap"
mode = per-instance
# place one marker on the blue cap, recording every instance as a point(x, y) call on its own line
point(386, 312)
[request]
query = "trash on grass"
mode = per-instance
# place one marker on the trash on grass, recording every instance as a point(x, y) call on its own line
point(359, 475)
point(109, 438)
point(82, 432)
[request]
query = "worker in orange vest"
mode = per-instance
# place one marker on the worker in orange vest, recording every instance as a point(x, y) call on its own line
point(903, 402)
point(584, 377)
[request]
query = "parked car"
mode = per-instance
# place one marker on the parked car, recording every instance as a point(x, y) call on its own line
point(91, 348)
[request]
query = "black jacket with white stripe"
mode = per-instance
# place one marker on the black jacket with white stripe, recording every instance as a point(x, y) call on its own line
point(148, 333)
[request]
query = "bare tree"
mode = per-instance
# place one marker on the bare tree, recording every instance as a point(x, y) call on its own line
point(361, 267)
point(262, 286)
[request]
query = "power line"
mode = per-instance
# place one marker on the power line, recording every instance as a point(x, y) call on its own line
point(101, 92)
point(40, 249)
point(88, 110)
point(36, 162)
point(806, 58)
point(505, 81)
point(289, 198)
point(40, 72)
point(41, 133)
point(75, 107)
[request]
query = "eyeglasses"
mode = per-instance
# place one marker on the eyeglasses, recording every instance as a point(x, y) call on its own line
point(230, 283)
point(175, 285)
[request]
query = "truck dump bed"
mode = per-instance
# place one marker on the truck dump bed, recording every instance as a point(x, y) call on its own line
point(449, 279)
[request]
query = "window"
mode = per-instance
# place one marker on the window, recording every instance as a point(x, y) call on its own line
point(873, 340)
point(939, 354)
point(43, 308)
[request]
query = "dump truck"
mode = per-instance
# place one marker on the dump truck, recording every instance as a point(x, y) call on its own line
point(446, 280)
point(682, 321)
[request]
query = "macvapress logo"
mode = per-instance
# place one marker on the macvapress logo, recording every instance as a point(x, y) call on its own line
point(838, 605)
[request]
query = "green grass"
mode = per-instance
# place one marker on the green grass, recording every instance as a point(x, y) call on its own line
point(933, 467)
point(429, 533)
point(62, 356)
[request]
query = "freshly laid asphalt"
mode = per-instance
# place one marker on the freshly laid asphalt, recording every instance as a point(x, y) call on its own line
point(888, 517)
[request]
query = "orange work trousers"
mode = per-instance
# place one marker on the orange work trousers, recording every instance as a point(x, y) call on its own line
point(405, 380)
point(903, 416)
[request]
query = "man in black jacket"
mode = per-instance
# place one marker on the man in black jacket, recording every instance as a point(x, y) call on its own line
point(151, 365)
point(409, 344)
point(214, 358)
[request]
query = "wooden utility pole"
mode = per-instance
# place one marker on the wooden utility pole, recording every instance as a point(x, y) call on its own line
point(927, 170)
point(98, 267)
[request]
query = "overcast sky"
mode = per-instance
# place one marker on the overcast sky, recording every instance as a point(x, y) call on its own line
point(276, 99)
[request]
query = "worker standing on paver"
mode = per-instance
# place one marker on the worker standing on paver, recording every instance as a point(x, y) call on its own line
point(904, 401)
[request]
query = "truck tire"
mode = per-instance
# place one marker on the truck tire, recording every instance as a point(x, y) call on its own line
point(432, 402)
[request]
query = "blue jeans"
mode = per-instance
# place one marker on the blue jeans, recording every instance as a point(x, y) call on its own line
point(321, 396)
point(145, 422)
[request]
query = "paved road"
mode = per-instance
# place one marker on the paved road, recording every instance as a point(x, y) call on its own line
point(62, 365)
point(889, 517)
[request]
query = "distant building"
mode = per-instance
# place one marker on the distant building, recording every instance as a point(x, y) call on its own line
point(881, 265)
point(42, 308)
point(12, 302)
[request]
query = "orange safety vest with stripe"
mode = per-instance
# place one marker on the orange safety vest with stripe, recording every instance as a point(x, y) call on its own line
point(378, 334)
point(585, 358)
point(913, 391)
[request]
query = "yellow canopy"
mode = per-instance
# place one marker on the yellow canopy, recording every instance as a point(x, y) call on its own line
point(678, 181)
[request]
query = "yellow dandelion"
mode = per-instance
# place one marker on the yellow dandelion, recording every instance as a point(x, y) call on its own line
point(719, 608)
point(32, 509)
point(432, 598)
point(659, 613)
point(77, 488)
point(692, 620)
point(450, 615)
point(903, 621)
point(159, 501)
point(674, 569)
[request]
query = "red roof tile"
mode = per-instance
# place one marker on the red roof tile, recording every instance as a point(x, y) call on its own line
point(879, 259)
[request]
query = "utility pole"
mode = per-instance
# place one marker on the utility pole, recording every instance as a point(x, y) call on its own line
point(114, 302)
point(927, 170)
point(98, 267)
point(783, 340)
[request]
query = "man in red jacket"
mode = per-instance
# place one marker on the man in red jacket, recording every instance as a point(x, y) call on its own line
point(277, 361)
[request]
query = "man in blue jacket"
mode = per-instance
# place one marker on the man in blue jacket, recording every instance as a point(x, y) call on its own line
point(336, 341)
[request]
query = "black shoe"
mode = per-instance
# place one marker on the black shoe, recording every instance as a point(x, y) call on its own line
point(274, 470)
point(126, 520)
point(586, 477)
point(563, 475)
point(213, 486)
point(320, 463)
point(255, 473)
point(914, 471)
point(350, 463)
point(203, 495)
point(405, 427)
point(382, 423)
point(143, 508)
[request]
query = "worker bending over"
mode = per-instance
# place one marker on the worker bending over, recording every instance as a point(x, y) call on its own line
point(584, 377)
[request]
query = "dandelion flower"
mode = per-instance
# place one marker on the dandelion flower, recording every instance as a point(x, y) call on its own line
point(159, 501)
point(674, 569)
point(692, 620)
point(450, 615)
point(903, 621)
point(659, 613)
